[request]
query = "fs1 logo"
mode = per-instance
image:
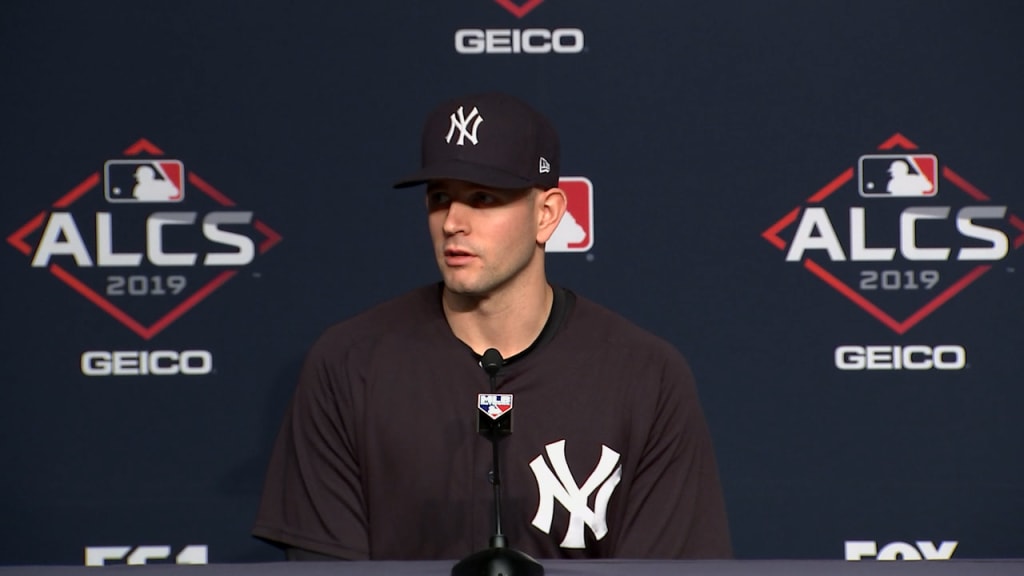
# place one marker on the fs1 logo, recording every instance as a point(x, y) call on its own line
point(519, 40)
point(155, 243)
point(140, 555)
point(919, 550)
point(575, 233)
point(899, 235)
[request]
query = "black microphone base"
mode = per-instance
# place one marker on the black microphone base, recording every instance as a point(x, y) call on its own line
point(498, 562)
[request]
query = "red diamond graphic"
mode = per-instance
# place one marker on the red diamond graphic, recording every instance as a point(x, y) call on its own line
point(519, 10)
point(900, 326)
point(142, 146)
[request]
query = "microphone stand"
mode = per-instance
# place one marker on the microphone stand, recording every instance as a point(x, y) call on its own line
point(498, 560)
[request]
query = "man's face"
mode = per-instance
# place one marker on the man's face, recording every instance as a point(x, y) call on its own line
point(483, 237)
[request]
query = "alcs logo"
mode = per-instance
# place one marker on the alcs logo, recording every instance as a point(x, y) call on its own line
point(145, 242)
point(899, 235)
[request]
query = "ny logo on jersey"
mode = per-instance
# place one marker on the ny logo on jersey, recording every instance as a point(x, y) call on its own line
point(461, 121)
point(560, 485)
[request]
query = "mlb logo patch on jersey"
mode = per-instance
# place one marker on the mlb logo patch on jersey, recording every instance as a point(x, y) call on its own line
point(144, 180)
point(494, 405)
point(899, 175)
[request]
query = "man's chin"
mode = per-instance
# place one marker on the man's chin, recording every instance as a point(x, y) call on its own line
point(462, 289)
point(466, 288)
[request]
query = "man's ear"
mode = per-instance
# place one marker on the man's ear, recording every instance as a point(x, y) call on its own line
point(550, 209)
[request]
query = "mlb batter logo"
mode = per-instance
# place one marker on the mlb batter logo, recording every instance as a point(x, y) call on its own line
point(575, 233)
point(898, 175)
point(494, 405)
point(144, 180)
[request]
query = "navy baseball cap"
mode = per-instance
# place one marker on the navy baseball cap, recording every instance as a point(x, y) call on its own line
point(491, 139)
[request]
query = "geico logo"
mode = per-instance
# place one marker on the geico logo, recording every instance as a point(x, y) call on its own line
point(946, 357)
point(143, 362)
point(514, 41)
point(815, 232)
point(924, 550)
point(100, 555)
point(61, 237)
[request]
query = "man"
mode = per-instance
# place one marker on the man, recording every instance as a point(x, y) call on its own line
point(378, 456)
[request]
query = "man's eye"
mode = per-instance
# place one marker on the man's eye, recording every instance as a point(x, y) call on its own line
point(484, 199)
point(437, 198)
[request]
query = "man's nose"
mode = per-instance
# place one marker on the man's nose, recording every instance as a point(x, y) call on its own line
point(457, 218)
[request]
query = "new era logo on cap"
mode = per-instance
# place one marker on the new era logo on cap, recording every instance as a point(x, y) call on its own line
point(490, 139)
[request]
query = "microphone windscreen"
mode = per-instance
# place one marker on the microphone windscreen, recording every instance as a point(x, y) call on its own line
point(491, 361)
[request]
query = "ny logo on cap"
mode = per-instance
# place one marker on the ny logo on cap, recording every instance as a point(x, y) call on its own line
point(461, 121)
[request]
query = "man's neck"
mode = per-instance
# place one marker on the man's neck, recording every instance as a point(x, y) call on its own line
point(508, 322)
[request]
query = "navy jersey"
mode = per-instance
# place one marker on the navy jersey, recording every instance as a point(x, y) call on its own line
point(378, 456)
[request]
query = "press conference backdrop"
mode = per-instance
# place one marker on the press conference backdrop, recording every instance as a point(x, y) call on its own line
point(819, 203)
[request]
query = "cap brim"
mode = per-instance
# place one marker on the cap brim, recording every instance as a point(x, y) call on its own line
point(466, 171)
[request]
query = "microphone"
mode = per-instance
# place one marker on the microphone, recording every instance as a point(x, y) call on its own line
point(491, 363)
point(494, 422)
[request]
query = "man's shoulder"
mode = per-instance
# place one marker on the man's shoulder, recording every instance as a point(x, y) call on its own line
point(612, 339)
point(606, 324)
point(412, 311)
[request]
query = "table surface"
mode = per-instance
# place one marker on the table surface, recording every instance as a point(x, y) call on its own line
point(554, 568)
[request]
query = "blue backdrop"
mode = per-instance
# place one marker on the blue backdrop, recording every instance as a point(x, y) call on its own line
point(856, 350)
